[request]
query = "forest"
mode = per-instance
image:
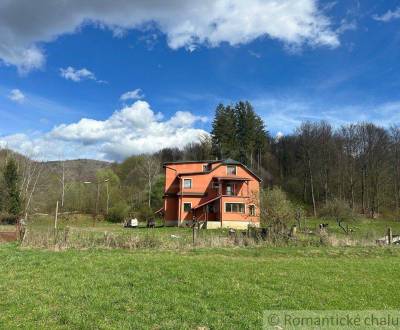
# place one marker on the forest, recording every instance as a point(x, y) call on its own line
point(358, 164)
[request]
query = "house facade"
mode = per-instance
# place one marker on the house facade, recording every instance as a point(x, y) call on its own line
point(222, 193)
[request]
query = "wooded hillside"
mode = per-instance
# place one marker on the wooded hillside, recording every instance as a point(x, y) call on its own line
point(357, 163)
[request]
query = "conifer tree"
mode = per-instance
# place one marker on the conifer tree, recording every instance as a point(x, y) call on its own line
point(11, 179)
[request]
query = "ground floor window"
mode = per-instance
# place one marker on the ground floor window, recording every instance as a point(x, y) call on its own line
point(234, 207)
point(187, 207)
point(252, 210)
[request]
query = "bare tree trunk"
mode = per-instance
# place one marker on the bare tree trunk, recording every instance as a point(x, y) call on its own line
point(97, 198)
point(305, 188)
point(352, 191)
point(363, 191)
point(150, 184)
point(63, 185)
point(108, 198)
point(312, 187)
point(326, 185)
point(32, 192)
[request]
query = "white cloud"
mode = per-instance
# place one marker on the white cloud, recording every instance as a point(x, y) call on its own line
point(346, 25)
point(283, 115)
point(131, 130)
point(185, 119)
point(388, 16)
point(25, 24)
point(136, 94)
point(73, 74)
point(16, 95)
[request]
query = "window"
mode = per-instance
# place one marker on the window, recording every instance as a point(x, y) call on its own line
point(230, 189)
point(234, 207)
point(187, 183)
point(187, 207)
point(252, 210)
point(231, 170)
point(206, 167)
point(215, 185)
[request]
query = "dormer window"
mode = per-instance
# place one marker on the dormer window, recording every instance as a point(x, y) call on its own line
point(231, 170)
point(187, 183)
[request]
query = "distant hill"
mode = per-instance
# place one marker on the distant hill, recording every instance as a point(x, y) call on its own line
point(77, 169)
point(48, 186)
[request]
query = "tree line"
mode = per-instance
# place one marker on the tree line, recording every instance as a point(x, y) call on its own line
point(358, 164)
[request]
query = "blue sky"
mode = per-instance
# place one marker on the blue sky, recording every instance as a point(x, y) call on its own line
point(63, 71)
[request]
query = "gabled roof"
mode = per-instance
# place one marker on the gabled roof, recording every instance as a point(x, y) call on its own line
point(227, 161)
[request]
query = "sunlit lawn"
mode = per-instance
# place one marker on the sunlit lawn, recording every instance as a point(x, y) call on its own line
point(214, 288)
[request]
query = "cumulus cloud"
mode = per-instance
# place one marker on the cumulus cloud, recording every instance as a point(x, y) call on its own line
point(388, 16)
point(134, 129)
point(16, 95)
point(136, 94)
point(26, 24)
point(73, 74)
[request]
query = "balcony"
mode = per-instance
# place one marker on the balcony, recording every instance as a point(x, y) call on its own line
point(231, 186)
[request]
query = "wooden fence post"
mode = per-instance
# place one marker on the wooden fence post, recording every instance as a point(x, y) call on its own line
point(390, 236)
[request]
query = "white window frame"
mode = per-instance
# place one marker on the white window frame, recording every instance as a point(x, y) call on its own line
point(191, 183)
point(227, 171)
point(190, 203)
point(255, 210)
point(244, 209)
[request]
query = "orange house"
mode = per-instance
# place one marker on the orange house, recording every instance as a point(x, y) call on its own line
point(221, 193)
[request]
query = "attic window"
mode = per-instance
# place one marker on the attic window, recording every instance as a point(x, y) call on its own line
point(206, 167)
point(231, 170)
point(187, 183)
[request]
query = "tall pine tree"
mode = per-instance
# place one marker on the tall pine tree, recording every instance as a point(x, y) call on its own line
point(224, 132)
point(11, 178)
point(239, 133)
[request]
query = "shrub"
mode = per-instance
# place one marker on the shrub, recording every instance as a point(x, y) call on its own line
point(118, 212)
point(338, 210)
point(277, 210)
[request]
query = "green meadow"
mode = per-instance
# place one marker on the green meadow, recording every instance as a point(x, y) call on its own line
point(186, 287)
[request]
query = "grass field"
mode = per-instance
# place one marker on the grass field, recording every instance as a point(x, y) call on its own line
point(213, 288)
point(188, 288)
